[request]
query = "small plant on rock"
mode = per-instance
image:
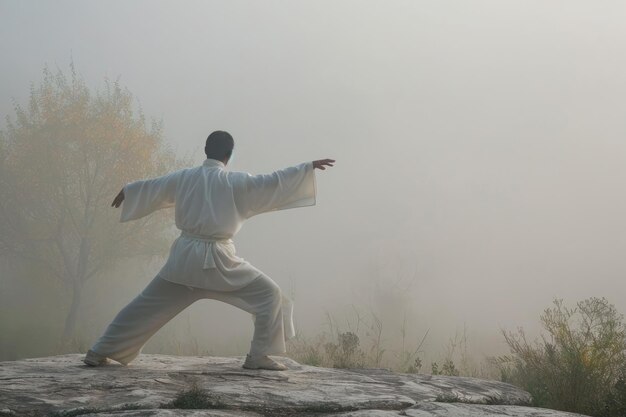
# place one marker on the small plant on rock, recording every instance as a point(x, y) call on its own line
point(194, 398)
point(448, 368)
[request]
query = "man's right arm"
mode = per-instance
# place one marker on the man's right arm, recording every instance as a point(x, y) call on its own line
point(141, 198)
point(286, 188)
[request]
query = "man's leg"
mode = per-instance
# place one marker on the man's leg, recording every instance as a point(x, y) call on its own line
point(271, 310)
point(157, 304)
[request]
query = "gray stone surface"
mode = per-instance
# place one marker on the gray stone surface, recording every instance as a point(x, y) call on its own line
point(174, 413)
point(434, 409)
point(43, 386)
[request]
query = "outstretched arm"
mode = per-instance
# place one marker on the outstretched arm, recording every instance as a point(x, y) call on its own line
point(141, 198)
point(320, 164)
point(286, 188)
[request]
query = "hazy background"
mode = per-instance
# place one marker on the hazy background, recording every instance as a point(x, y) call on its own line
point(480, 148)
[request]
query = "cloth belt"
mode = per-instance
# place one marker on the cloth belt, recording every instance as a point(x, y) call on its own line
point(209, 262)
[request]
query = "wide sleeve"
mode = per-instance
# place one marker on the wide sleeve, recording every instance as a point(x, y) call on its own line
point(283, 189)
point(144, 197)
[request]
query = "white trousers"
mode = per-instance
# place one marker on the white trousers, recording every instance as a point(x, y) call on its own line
point(162, 300)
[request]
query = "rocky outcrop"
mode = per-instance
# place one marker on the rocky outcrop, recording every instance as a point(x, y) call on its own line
point(64, 386)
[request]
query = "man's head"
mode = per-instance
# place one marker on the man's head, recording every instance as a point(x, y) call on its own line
point(219, 145)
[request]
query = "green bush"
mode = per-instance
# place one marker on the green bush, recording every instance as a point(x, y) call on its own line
point(346, 353)
point(578, 366)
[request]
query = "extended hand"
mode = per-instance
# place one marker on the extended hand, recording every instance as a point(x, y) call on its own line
point(323, 163)
point(118, 199)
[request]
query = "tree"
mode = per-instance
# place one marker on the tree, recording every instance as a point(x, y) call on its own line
point(62, 160)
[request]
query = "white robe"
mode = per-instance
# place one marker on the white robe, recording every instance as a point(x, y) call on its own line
point(211, 205)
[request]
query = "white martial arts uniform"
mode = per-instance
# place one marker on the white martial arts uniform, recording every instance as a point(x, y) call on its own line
point(210, 205)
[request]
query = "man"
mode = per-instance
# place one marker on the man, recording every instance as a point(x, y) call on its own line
point(211, 205)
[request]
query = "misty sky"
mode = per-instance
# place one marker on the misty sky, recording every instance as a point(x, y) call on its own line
point(480, 146)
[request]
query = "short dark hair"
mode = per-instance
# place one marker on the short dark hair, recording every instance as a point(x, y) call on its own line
point(219, 145)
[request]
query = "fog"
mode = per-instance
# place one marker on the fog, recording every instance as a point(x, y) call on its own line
point(480, 147)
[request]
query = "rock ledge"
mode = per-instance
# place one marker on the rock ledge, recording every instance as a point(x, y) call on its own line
point(64, 386)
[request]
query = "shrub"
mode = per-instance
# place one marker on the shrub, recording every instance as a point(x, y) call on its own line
point(578, 366)
point(346, 353)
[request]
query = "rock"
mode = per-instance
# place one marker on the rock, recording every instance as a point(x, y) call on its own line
point(434, 409)
point(63, 385)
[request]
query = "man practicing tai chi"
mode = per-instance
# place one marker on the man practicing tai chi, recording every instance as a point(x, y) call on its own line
point(211, 205)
